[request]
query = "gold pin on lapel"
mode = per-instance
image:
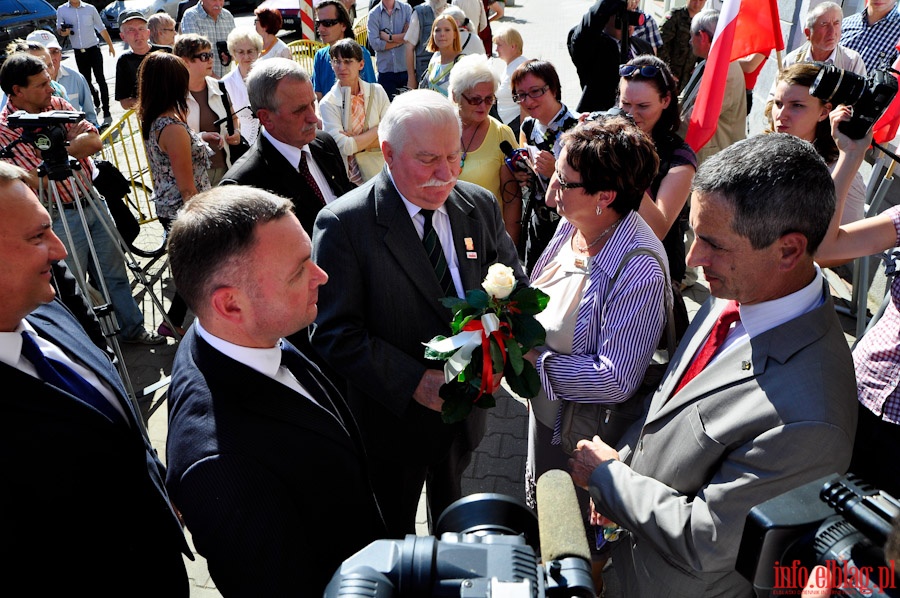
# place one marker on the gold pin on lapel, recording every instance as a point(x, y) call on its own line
point(470, 244)
point(745, 365)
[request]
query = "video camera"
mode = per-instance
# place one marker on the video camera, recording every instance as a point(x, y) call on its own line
point(46, 131)
point(870, 96)
point(837, 522)
point(488, 546)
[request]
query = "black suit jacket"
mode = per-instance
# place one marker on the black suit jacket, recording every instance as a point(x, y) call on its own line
point(263, 166)
point(82, 495)
point(382, 301)
point(275, 491)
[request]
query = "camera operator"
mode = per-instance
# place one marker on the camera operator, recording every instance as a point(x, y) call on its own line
point(25, 80)
point(765, 405)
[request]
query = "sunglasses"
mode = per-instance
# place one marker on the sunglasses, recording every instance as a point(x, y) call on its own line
point(204, 56)
point(487, 101)
point(534, 94)
point(648, 71)
point(327, 22)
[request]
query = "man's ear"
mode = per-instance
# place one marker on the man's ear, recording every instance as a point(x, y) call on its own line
point(388, 153)
point(792, 247)
point(226, 304)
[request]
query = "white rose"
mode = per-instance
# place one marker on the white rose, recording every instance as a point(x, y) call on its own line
point(499, 282)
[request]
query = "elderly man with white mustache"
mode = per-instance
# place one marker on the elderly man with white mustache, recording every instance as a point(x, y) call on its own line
point(393, 248)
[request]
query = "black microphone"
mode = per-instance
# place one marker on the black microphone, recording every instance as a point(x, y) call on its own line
point(228, 117)
point(559, 518)
point(517, 159)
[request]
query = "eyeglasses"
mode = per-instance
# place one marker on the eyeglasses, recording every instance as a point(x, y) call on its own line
point(487, 101)
point(251, 52)
point(172, 29)
point(343, 61)
point(204, 56)
point(534, 94)
point(566, 186)
point(327, 22)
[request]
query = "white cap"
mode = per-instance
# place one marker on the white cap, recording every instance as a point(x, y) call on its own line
point(43, 37)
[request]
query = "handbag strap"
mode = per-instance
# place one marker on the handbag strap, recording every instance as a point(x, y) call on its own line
point(229, 114)
point(670, 318)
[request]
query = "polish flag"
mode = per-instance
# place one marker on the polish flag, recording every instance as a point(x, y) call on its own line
point(745, 27)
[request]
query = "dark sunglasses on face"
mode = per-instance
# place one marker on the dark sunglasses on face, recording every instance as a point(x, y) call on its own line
point(534, 94)
point(488, 101)
point(327, 22)
point(204, 56)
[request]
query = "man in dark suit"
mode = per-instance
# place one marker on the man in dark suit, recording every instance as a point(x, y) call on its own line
point(84, 488)
point(265, 460)
point(383, 301)
point(282, 97)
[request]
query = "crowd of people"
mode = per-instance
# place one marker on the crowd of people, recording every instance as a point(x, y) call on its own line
point(316, 219)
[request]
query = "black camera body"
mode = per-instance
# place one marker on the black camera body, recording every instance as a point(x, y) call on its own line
point(603, 114)
point(869, 96)
point(837, 522)
point(46, 131)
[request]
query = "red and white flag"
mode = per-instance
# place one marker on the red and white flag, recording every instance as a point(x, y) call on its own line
point(885, 128)
point(745, 27)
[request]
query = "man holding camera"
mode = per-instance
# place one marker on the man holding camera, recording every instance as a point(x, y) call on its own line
point(760, 397)
point(81, 23)
point(210, 19)
point(24, 78)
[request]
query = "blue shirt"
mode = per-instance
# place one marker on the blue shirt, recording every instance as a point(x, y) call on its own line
point(79, 93)
point(85, 22)
point(393, 60)
point(323, 75)
point(872, 40)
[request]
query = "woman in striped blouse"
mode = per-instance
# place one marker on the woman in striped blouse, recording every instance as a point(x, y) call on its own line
point(599, 339)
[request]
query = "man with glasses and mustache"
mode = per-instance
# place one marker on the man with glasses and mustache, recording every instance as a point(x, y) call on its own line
point(383, 300)
point(333, 24)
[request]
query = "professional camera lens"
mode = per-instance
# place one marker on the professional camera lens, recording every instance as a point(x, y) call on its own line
point(837, 86)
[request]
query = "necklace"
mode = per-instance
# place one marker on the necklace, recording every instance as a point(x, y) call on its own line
point(609, 229)
point(466, 146)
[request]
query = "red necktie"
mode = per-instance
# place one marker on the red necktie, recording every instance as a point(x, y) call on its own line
point(308, 177)
point(729, 316)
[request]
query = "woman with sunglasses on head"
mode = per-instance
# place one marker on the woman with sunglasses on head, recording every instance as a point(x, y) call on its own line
point(447, 50)
point(178, 157)
point(352, 110)
point(268, 23)
point(473, 85)
point(647, 92)
point(245, 45)
point(205, 105)
point(602, 329)
point(536, 88)
point(793, 110)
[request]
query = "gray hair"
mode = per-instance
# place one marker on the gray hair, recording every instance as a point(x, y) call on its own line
point(814, 13)
point(264, 77)
point(157, 20)
point(421, 109)
point(706, 21)
point(776, 184)
point(212, 236)
point(468, 72)
point(459, 16)
point(243, 34)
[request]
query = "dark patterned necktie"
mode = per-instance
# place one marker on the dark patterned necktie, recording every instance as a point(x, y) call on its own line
point(58, 374)
point(436, 256)
point(308, 177)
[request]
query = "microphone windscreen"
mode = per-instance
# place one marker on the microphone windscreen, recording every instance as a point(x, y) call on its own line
point(507, 148)
point(559, 518)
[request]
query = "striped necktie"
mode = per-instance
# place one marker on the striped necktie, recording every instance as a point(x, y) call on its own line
point(435, 252)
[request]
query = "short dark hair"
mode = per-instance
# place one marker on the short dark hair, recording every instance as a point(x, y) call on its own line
point(541, 69)
point(270, 19)
point(188, 44)
point(613, 154)
point(346, 48)
point(213, 234)
point(17, 69)
point(776, 184)
point(343, 15)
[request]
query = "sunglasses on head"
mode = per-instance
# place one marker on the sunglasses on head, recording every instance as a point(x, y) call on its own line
point(649, 71)
point(327, 22)
point(204, 56)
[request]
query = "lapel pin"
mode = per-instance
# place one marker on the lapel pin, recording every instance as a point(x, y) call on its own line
point(470, 244)
point(471, 255)
point(745, 365)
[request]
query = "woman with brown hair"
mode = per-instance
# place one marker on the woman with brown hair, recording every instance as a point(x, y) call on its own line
point(268, 23)
point(446, 46)
point(178, 157)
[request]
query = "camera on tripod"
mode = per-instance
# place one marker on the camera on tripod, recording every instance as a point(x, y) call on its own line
point(47, 132)
point(837, 522)
point(869, 96)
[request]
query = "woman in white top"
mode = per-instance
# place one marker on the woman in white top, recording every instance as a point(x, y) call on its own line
point(444, 43)
point(351, 111)
point(268, 23)
point(245, 45)
point(509, 49)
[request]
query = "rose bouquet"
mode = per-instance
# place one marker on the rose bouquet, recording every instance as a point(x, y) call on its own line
point(492, 331)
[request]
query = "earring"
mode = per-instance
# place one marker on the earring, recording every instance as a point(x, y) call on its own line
point(599, 210)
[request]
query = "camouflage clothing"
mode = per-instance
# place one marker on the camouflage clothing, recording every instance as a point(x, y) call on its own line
point(676, 49)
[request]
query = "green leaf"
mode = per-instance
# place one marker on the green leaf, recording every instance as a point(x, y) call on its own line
point(437, 355)
point(458, 398)
point(527, 331)
point(527, 384)
point(530, 300)
point(514, 357)
point(454, 303)
point(478, 299)
point(486, 401)
point(496, 357)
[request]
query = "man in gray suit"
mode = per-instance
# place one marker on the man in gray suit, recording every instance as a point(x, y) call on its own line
point(383, 300)
point(773, 408)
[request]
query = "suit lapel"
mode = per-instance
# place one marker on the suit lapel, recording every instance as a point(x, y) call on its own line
point(326, 163)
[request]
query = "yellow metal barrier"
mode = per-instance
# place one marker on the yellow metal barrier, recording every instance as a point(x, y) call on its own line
point(123, 145)
point(360, 32)
point(304, 52)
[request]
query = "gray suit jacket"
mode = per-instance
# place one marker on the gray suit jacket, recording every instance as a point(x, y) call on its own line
point(767, 417)
point(383, 301)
